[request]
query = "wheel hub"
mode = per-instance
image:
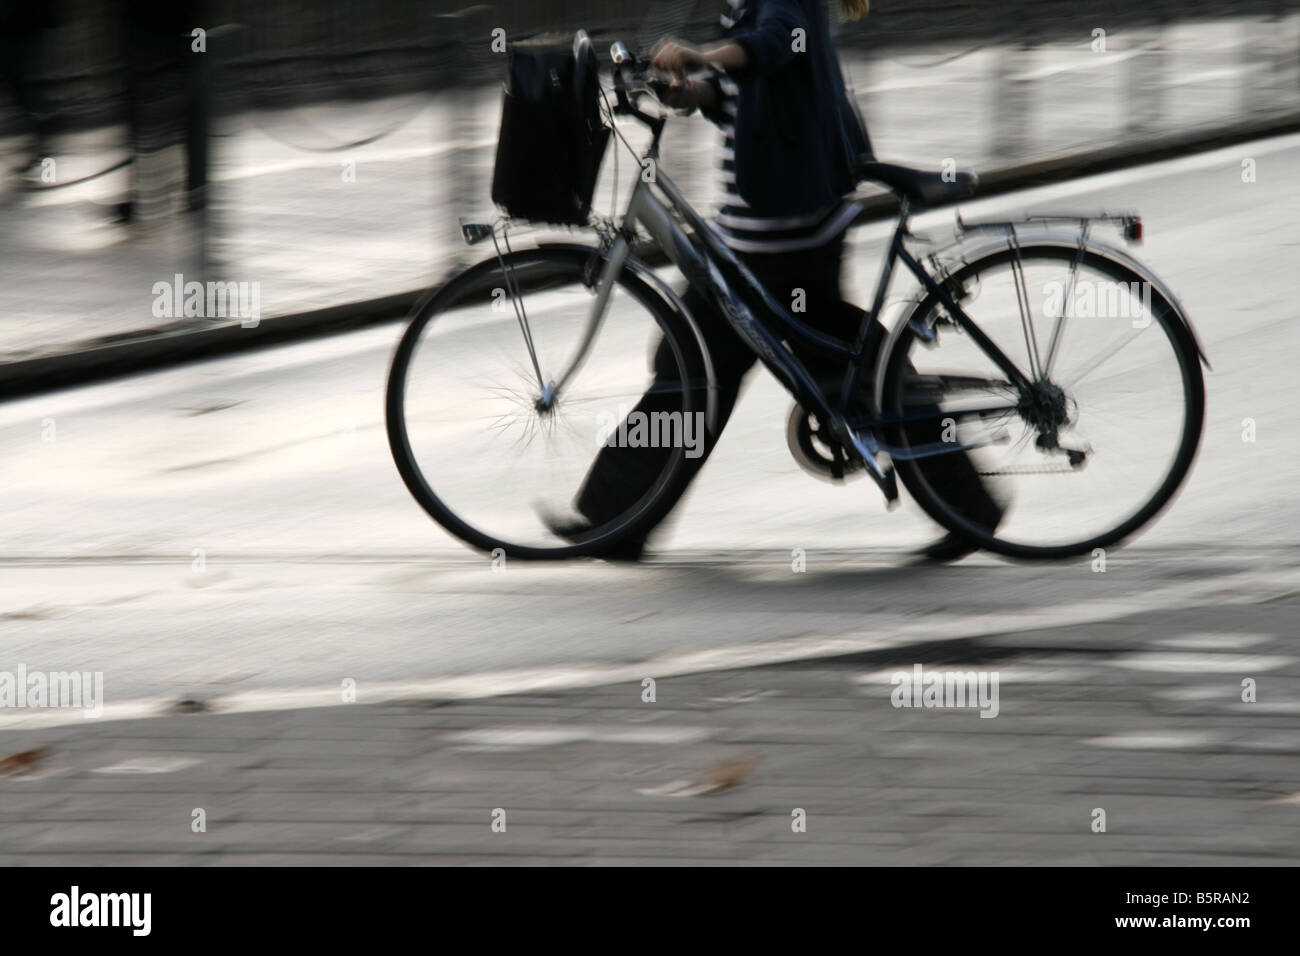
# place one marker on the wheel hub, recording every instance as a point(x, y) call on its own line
point(1048, 407)
point(546, 401)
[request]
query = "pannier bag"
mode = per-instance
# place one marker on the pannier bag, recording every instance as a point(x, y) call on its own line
point(552, 139)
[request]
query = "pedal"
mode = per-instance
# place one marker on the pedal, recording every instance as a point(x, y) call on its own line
point(867, 447)
point(925, 333)
point(889, 486)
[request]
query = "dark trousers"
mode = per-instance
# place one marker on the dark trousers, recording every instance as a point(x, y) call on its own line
point(621, 475)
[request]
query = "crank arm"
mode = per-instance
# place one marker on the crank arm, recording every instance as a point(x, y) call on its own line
point(866, 448)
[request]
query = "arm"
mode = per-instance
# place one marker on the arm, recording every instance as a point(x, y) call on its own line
point(727, 55)
point(765, 47)
point(673, 56)
point(770, 44)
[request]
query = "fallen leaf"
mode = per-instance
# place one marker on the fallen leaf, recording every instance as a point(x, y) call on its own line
point(23, 761)
point(724, 776)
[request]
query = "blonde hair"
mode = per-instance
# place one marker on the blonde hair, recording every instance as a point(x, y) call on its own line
point(854, 9)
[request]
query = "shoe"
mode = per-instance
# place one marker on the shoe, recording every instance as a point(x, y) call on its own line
point(630, 550)
point(947, 549)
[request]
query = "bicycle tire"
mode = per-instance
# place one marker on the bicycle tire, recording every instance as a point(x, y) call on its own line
point(576, 260)
point(1164, 311)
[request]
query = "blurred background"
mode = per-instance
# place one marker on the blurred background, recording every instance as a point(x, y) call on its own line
point(328, 149)
point(216, 525)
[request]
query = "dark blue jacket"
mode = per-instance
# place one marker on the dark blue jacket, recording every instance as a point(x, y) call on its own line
point(798, 136)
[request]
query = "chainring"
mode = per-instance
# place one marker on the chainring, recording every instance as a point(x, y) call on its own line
point(817, 452)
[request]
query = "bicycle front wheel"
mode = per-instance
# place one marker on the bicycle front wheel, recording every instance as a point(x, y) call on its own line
point(1091, 449)
point(505, 389)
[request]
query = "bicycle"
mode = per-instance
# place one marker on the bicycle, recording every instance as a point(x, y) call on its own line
point(523, 357)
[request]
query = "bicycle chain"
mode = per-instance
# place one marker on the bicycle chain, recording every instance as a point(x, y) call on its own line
point(1038, 470)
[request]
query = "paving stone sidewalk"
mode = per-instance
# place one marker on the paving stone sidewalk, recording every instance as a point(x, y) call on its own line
point(1141, 718)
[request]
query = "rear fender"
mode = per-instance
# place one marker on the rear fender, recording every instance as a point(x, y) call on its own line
point(976, 251)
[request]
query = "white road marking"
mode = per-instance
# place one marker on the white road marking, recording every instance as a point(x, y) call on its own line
point(1175, 663)
point(140, 765)
point(1226, 696)
point(1206, 76)
point(1156, 740)
point(529, 738)
point(1214, 642)
point(886, 631)
point(1020, 673)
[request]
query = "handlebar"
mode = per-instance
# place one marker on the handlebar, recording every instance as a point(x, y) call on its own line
point(631, 77)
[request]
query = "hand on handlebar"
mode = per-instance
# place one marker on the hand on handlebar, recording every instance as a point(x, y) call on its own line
point(680, 92)
point(670, 87)
point(674, 56)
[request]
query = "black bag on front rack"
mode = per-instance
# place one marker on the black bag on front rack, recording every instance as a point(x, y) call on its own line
point(552, 139)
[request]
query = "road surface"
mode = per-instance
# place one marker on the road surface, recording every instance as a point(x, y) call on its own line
point(238, 525)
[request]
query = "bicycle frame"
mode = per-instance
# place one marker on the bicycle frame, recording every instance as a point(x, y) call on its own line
point(714, 270)
point(765, 325)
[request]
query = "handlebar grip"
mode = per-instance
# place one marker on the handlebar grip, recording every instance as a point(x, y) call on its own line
point(659, 88)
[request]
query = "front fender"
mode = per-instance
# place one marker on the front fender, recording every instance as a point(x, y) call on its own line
point(647, 275)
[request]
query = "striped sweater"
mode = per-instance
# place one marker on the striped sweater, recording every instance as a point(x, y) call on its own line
point(745, 229)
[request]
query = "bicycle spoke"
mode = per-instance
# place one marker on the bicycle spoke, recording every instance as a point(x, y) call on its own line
point(1104, 356)
point(517, 300)
point(1057, 329)
point(1026, 315)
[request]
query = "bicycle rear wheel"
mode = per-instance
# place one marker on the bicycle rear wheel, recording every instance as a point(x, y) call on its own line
point(502, 393)
point(1092, 450)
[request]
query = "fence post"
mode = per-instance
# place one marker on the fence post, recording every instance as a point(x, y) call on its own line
point(198, 151)
point(1146, 82)
point(462, 86)
point(1281, 57)
point(1012, 102)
